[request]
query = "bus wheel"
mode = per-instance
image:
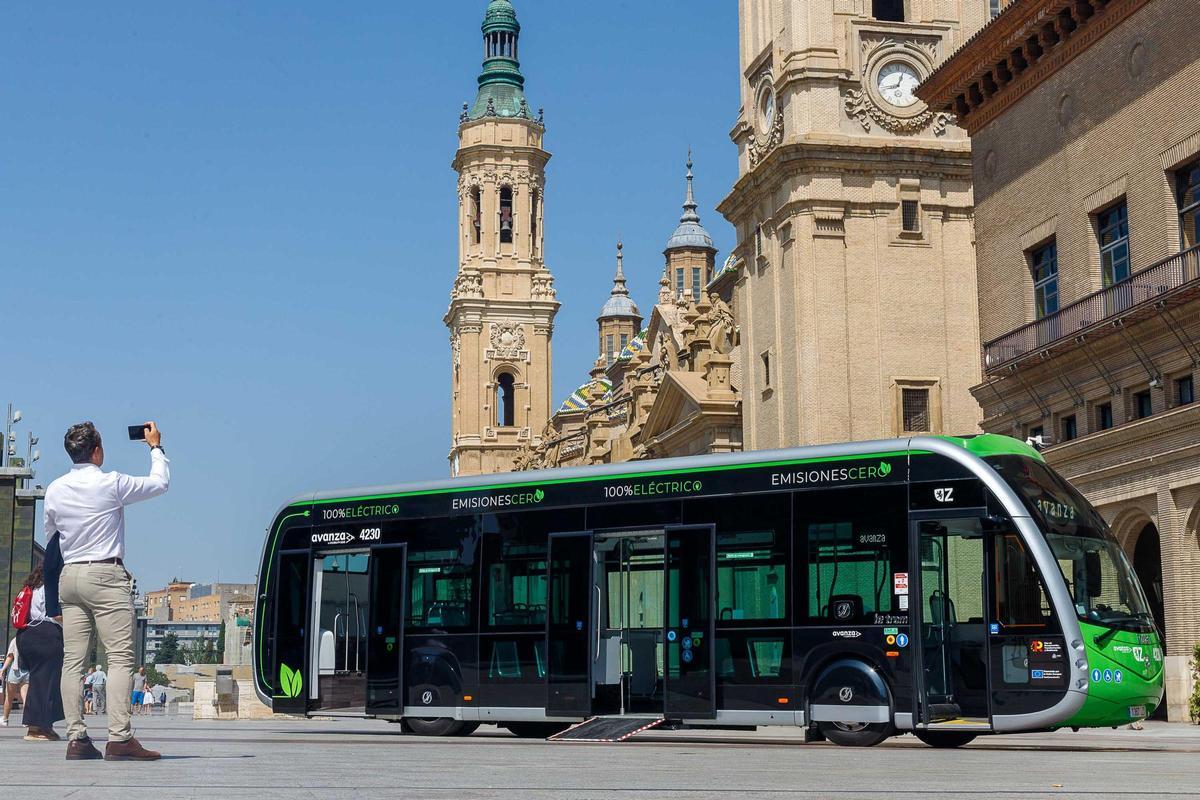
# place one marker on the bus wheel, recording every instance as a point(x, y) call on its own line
point(856, 734)
point(536, 730)
point(435, 726)
point(944, 738)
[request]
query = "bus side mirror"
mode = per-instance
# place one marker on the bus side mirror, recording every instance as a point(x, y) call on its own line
point(1095, 582)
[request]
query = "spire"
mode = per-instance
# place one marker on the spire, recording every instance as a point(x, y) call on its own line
point(619, 304)
point(619, 286)
point(689, 203)
point(501, 84)
point(690, 233)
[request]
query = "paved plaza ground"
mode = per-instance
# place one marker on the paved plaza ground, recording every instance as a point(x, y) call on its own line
point(368, 759)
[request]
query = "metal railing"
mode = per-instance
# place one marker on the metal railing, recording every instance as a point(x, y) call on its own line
point(1140, 288)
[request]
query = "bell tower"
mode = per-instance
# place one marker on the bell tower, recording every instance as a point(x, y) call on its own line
point(502, 305)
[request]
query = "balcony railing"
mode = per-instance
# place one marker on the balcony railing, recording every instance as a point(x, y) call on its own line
point(1139, 291)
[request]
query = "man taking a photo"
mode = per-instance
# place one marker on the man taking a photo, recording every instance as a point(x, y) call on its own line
point(87, 508)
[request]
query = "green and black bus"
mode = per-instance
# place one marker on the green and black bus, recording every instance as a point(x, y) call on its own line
point(944, 586)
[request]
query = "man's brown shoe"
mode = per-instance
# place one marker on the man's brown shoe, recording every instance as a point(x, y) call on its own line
point(82, 750)
point(130, 750)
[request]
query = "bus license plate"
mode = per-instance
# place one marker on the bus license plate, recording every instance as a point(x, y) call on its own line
point(1137, 712)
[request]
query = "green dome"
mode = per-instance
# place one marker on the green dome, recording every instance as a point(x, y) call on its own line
point(501, 84)
point(500, 16)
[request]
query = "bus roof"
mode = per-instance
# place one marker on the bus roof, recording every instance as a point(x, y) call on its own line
point(981, 445)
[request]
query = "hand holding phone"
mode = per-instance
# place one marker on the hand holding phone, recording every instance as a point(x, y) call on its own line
point(137, 433)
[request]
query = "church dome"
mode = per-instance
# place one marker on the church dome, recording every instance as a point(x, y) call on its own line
point(501, 13)
point(619, 303)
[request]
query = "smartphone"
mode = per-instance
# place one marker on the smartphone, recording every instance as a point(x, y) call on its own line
point(137, 433)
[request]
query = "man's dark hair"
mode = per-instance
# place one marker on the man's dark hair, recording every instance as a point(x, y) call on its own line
point(81, 441)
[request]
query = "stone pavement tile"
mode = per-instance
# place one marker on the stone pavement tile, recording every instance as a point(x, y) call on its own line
point(271, 759)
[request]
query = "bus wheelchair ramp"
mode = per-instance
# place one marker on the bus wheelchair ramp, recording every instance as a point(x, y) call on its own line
point(607, 729)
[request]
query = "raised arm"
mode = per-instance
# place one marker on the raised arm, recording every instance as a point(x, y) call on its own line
point(134, 490)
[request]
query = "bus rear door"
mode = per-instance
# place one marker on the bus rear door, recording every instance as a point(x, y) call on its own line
point(570, 625)
point(689, 671)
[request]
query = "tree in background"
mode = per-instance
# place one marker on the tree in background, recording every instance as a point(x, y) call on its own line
point(154, 677)
point(169, 651)
point(221, 645)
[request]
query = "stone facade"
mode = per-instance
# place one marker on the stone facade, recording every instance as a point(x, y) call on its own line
point(672, 390)
point(855, 294)
point(502, 305)
point(1090, 118)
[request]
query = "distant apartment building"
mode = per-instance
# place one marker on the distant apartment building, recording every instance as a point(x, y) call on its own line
point(209, 601)
point(1086, 146)
point(186, 633)
point(163, 603)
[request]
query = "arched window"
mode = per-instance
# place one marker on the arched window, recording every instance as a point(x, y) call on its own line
point(505, 401)
point(506, 215)
point(533, 214)
point(477, 214)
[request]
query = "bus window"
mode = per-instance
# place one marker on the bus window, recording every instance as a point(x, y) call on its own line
point(751, 577)
point(441, 589)
point(1020, 599)
point(516, 584)
point(856, 543)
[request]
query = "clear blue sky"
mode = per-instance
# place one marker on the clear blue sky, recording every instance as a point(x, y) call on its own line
point(239, 219)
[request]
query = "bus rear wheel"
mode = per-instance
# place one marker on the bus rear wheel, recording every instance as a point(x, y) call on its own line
point(944, 738)
point(856, 734)
point(535, 730)
point(433, 726)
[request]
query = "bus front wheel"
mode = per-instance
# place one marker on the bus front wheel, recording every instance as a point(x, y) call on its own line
point(433, 726)
point(944, 738)
point(856, 734)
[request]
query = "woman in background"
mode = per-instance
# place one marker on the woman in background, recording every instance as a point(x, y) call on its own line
point(40, 645)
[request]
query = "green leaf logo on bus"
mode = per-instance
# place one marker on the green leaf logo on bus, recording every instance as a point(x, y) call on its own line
point(290, 681)
point(539, 496)
point(885, 469)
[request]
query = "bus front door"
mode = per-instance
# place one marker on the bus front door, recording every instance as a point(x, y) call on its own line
point(949, 616)
point(570, 625)
point(689, 669)
point(385, 630)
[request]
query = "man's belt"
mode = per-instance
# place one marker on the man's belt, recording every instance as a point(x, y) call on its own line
point(116, 561)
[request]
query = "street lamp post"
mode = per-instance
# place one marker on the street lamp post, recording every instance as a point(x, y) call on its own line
point(10, 438)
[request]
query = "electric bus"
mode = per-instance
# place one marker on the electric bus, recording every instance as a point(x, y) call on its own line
point(944, 586)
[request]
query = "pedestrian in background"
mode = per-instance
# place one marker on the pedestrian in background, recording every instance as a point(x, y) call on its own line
point(87, 508)
point(139, 689)
point(89, 706)
point(16, 680)
point(99, 682)
point(40, 644)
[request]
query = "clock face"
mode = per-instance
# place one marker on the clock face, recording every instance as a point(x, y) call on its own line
point(898, 84)
point(766, 108)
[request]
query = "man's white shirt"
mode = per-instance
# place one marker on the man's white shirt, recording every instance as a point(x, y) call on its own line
point(87, 507)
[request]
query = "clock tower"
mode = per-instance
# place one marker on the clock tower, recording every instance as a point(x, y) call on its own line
point(502, 305)
point(854, 273)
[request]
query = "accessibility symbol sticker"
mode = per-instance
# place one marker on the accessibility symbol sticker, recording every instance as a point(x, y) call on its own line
point(902, 640)
point(1095, 676)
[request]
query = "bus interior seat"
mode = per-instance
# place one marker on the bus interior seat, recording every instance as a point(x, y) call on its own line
point(505, 663)
point(725, 668)
point(326, 653)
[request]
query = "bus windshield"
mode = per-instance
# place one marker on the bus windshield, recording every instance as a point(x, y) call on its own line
point(1098, 574)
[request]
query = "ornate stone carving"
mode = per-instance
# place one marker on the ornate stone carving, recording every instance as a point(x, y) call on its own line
point(542, 287)
point(456, 348)
point(467, 284)
point(508, 339)
point(861, 107)
point(761, 143)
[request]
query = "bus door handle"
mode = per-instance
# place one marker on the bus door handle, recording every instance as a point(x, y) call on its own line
point(596, 624)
